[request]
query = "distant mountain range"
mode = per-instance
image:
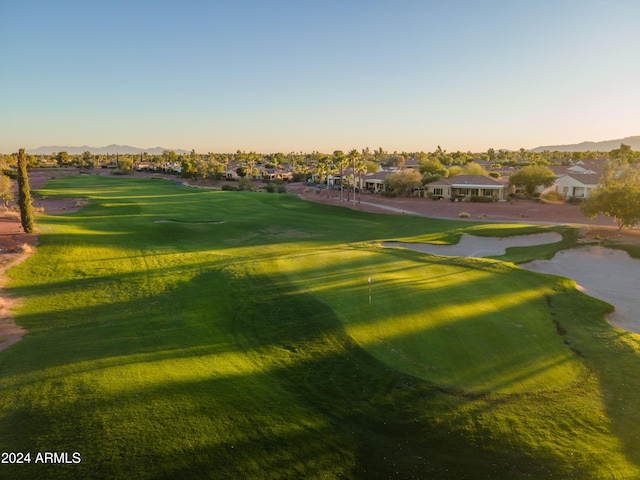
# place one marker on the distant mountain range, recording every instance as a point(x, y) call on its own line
point(110, 149)
point(604, 146)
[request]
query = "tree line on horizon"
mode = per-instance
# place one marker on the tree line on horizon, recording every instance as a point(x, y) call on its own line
point(293, 159)
point(617, 197)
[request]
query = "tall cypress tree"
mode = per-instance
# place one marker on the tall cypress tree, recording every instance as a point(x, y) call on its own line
point(24, 194)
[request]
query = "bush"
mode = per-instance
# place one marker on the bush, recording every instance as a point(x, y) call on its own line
point(463, 215)
point(430, 177)
point(281, 188)
point(553, 196)
point(244, 184)
point(229, 188)
point(481, 198)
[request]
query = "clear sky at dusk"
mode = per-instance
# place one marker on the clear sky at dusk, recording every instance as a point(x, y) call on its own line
point(268, 76)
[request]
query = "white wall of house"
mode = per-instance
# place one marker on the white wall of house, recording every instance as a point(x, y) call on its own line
point(570, 187)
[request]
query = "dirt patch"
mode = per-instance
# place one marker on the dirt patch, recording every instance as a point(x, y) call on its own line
point(10, 333)
point(611, 236)
point(517, 211)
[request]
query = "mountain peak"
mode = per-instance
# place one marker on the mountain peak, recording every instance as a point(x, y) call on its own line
point(602, 146)
point(109, 149)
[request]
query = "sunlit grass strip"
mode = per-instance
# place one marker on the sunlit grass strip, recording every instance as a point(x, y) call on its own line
point(471, 325)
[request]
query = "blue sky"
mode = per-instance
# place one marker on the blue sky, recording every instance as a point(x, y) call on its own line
point(268, 76)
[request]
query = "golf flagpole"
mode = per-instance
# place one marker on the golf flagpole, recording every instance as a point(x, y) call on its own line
point(369, 283)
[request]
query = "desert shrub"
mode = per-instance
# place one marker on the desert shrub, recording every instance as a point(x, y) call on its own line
point(244, 184)
point(463, 215)
point(281, 188)
point(270, 187)
point(481, 199)
point(553, 196)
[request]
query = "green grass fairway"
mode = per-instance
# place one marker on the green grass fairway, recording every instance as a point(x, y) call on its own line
point(178, 333)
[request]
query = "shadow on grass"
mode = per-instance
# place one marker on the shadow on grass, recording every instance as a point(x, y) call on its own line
point(305, 401)
point(316, 405)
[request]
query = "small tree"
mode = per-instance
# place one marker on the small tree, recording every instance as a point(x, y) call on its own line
point(473, 168)
point(5, 190)
point(531, 177)
point(401, 183)
point(63, 159)
point(433, 167)
point(24, 199)
point(617, 196)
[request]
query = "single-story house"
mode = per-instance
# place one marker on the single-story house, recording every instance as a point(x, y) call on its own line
point(575, 185)
point(271, 174)
point(576, 180)
point(374, 181)
point(463, 187)
point(140, 166)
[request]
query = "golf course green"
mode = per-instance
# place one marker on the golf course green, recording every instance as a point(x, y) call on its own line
point(184, 333)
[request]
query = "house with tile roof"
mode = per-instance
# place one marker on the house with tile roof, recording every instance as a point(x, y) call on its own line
point(577, 180)
point(463, 187)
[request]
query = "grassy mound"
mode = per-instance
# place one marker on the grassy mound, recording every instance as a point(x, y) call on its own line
point(255, 348)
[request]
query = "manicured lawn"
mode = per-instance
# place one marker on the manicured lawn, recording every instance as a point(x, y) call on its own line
point(177, 333)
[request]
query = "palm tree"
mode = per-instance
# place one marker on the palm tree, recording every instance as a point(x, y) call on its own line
point(354, 156)
point(361, 167)
point(321, 168)
point(332, 169)
point(341, 160)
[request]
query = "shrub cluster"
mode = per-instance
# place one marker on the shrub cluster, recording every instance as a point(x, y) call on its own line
point(272, 187)
point(553, 196)
point(481, 198)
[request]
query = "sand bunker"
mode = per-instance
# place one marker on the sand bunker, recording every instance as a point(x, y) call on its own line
point(473, 246)
point(604, 273)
